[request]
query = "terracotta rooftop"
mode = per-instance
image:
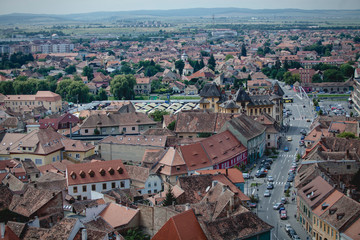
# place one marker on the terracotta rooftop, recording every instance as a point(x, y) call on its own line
point(92, 172)
point(234, 174)
point(195, 156)
point(118, 119)
point(137, 173)
point(117, 215)
point(182, 226)
point(172, 163)
point(61, 230)
point(241, 226)
point(31, 201)
point(315, 192)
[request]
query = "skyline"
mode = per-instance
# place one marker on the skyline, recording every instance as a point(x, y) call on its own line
point(71, 6)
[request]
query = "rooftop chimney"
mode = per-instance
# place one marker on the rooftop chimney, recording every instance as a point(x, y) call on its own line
point(84, 234)
point(2, 226)
point(187, 206)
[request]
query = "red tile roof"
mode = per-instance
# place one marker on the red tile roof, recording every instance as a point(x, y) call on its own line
point(195, 156)
point(113, 170)
point(180, 227)
point(117, 215)
point(234, 174)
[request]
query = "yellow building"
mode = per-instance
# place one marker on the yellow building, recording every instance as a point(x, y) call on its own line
point(43, 146)
point(241, 102)
point(49, 100)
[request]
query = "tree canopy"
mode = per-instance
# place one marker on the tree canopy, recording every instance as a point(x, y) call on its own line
point(122, 87)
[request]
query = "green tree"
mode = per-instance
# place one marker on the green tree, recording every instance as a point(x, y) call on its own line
point(243, 50)
point(70, 69)
point(171, 125)
point(6, 88)
point(136, 234)
point(122, 87)
point(169, 198)
point(212, 62)
point(347, 70)
point(157, 115)
point(346, 135)
point(179, 65)
point(88, 72)
point(229, 56)
point(316, 78)
point(101, 95)
point(333, 75)
point(290, 79)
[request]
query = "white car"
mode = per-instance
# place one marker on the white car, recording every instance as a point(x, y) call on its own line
point(267, 193)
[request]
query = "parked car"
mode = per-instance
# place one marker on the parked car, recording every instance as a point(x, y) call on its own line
point(291, 233)
point(302, 137)
point(288, 227)
point(267, 193)
point(269, 160)
point(277, 206)
point(246, 175)
point(296, 237)
point(260, 174)
point(303, 131)
point(287, 186)
point(301, 143)
point(252, 205)
point(283, 215)
point(283, 200)
point(290, 178)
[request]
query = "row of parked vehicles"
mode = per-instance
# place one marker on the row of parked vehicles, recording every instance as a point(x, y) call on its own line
point(291, 232)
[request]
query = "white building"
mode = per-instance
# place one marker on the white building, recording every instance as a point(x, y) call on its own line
point(97, 176)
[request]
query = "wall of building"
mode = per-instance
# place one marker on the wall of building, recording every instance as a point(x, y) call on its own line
point(98, 188)
point(153, 218)
point(45, 159)
point(152, 185)
point(124, 152)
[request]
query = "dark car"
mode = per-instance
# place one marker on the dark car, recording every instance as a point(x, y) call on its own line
point(287, 186)
point(290, 178)
point(266, 165)
point(269, 160)
point(291, 233)
point(260, 174)
point(270, 186)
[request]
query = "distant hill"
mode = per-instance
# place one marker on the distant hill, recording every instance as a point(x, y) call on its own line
point(192, 12)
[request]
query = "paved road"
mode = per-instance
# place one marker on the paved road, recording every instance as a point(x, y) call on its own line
point(280, 168)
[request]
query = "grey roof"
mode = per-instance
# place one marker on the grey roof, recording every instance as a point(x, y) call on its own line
point(279, 91)
point(128, 108)
point(229, 104)
point(242, 96)
point(260, 100)
point(210, 90)
point(203, 100)
point(246, 126)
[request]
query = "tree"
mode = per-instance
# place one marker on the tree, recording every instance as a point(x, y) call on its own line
point(70, 69)
point(169, 198)
point(88, 72)
point(157, 115)
point(346, 135)
point(122, 87)
point(101, 95)
point(136, 234)
point(171, 125)
point(179, 65)
point(243, 50)
point(290, 79)
point(212, 62)
point(347, 70)
point(316, 78)
point(6, 88)
point(229, 56)
point(333, 75)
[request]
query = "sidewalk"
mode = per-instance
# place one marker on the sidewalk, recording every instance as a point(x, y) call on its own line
point(295, 224)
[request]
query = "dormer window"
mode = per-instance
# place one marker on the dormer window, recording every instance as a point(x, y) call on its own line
point(340, 216)
point(111, 171)
point(73, 175)
point(91, 173)
point(332, 211)
point(102, 172)
point(120, 170)
point(82, 174)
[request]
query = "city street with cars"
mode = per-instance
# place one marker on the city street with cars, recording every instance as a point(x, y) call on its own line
point(271, 180)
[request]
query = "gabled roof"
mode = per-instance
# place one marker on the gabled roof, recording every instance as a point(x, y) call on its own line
point(246, 126)
point(210, 90)
point(32, 200)
point(315, 192)
point(119, 119)
point(240, 226)
point(180, 227)
point(172, 163)
point(99, 171)
point(242, 96)
point(234, 174)
point(195, 156)
point(117, 216)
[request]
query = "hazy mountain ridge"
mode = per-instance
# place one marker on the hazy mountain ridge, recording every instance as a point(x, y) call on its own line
point(192, 12)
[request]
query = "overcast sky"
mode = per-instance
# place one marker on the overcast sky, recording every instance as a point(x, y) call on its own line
point(84, 6)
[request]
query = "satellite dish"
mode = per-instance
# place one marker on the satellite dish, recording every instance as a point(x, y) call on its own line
point(207, 189)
